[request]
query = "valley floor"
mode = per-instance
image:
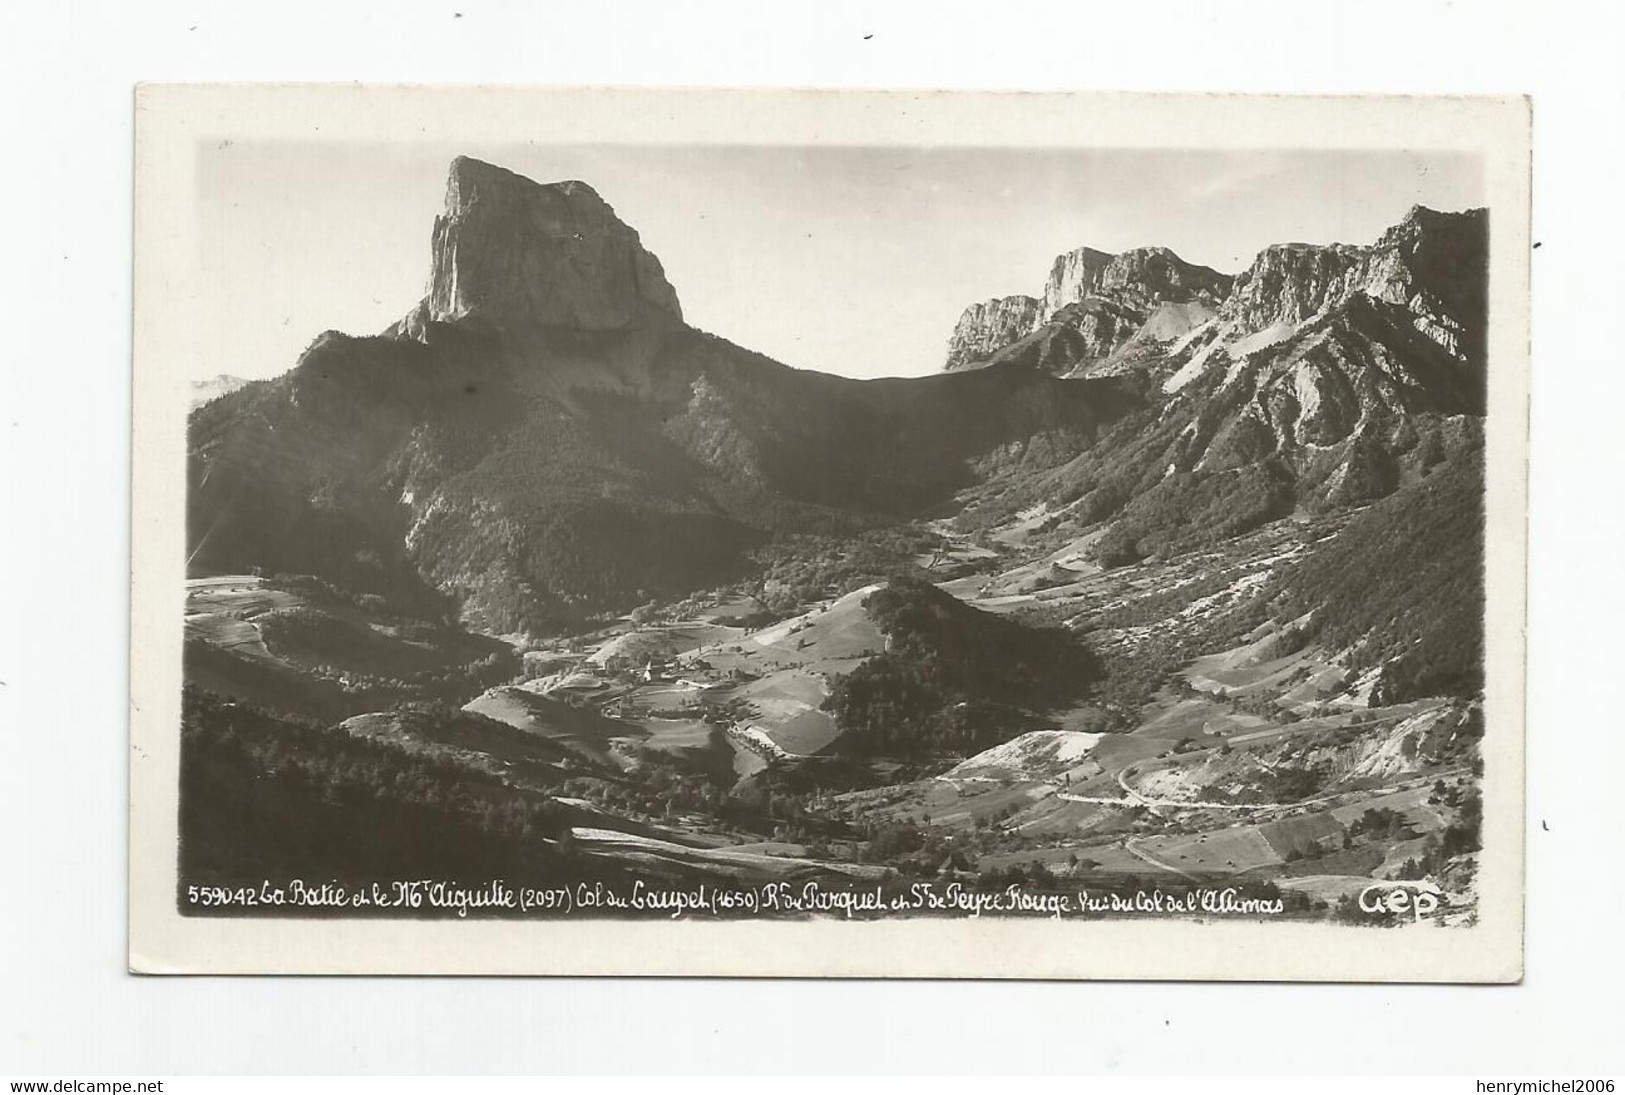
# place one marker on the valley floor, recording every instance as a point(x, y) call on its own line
point(700, 747)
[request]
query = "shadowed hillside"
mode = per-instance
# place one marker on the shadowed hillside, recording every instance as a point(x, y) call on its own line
point(953, 679)
point(1403, 585)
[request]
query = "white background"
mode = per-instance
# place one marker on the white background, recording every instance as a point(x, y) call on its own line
point(66, 1007)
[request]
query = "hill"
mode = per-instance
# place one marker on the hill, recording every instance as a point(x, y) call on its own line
point(952, 679)
point(267, 797)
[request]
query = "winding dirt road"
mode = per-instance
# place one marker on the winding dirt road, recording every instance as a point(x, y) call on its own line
point(1146, 857)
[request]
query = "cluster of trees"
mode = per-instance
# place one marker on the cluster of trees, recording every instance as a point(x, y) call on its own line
point(800, 569)
point(954, 679)
point(1381, 823)
point(891, 841)
point(725, 713)
point(915, 851)
point(1460, 837)
point(1131, 677)
point(793, 800)
point(1280, 784)
point(420, 657)
point(658, 787)
point(662, 785)
point(1261, 704)
point(450, 682)
point(431, 606)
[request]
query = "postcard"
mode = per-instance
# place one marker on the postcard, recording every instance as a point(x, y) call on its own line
point(828, 534)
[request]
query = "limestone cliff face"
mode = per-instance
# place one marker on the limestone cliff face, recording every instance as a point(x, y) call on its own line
point(1430, 264)
point(986, 327)
point(1289, 282)
point(1093, 305)
point(510, 250)
point(1073, 276)
point(1140, 278)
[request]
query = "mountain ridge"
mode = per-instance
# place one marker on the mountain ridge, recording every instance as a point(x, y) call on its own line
point(1103, 313)
point(542, 437)
point(561, 443)
point(1092, 303)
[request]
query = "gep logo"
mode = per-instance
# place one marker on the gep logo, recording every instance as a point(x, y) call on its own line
point(1398, 897)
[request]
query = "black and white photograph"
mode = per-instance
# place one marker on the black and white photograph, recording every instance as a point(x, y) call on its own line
point(815, 533)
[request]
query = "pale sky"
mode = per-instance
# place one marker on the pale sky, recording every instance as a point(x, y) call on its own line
point(846, 260)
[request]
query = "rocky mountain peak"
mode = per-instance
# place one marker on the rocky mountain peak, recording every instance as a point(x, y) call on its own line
point(1094, 304)
point(1073, 276)
point(1289, 282)
point(1421, 221)
point(986, 327)
point(511, 250)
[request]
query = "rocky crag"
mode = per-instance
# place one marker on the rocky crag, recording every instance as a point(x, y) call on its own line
point(1326, 376)
point(509, 250)
point(1094, 305)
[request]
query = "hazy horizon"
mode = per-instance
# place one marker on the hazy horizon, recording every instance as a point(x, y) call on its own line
point(855, 261)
